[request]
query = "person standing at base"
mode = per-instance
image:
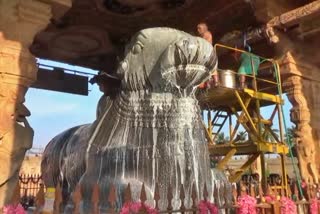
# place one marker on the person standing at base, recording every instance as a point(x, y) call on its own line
point(204, 33)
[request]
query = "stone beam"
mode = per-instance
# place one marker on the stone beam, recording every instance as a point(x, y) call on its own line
point(265, 10)
point(272, 21)
point(310, 28)
point(59, 7)
point(20, 21)
point(297, 15)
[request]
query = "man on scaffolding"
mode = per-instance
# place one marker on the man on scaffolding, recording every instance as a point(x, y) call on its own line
point(203, 32)
point(249, 65)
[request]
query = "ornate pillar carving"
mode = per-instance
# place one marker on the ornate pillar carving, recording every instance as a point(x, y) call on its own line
point(19, 22)
point(302, 84)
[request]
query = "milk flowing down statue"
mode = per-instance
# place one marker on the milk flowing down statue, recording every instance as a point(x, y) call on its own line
point(151, 132)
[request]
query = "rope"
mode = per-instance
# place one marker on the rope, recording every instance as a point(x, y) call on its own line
point(245, 44)
point(288, 140)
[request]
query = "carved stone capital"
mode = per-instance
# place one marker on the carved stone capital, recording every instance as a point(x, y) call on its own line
point(294, 64)
point(17, 65)
point(59, 7)
point(300, 115)
point(21, 20)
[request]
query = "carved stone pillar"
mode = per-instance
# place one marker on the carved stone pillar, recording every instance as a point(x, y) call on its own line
point(19, 22)
point(302, 84)
point(15, 137)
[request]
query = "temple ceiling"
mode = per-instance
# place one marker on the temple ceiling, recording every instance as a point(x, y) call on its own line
point(93, 32)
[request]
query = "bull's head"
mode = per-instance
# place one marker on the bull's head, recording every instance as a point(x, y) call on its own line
point(162, 59)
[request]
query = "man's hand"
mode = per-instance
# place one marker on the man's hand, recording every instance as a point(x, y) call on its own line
point(208, 36)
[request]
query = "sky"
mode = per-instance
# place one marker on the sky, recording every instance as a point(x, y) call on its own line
point(53, 112)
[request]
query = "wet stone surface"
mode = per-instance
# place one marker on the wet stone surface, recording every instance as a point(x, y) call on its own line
point(151, 132)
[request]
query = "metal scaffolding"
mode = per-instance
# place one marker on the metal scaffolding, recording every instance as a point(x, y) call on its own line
point(228, 101)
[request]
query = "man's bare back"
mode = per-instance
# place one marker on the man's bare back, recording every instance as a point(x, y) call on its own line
point(203, 32)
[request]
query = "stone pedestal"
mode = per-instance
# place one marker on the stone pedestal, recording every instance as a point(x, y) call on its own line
point(19, 22)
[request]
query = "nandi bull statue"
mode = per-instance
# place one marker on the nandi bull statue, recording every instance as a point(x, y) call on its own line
point(150, 132)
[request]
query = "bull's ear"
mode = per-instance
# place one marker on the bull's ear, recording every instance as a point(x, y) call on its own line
point(187, 62)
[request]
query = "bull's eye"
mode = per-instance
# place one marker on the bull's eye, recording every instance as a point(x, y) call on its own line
point(124, 66)
point(137, 48)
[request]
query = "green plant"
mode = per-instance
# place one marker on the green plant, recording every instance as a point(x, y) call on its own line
point(241, 137)
point(221, 138)
point(267, 136)
point(290, 140)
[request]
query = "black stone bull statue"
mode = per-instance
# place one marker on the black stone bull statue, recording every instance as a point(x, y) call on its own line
point(149, 132)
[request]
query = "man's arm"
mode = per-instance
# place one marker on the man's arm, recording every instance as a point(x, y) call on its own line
point(208, 36)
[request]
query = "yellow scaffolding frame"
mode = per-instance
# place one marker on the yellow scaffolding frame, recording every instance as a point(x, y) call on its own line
point(245, 105)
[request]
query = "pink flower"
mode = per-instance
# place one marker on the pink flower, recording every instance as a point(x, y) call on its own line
point(13, 209)
point(135, 207)
point(247, 205)
point(269, 198)
point(314, 206)
point(205, 206)
point(288, 206)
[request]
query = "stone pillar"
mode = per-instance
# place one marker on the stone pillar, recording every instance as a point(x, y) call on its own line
point(302, 85)
point(19, 22)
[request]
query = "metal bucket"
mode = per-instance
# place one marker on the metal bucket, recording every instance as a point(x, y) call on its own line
point(227, 78)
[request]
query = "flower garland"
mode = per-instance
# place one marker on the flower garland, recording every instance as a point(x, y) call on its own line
point(135, 207)
point(269, 198)
point(13, 209)
point(205, 206)
point(247, 205)
point(288, 206)
point(314, 206)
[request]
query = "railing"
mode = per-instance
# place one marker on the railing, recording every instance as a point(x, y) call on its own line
point(263, 205)
point(32, 194)
point(267, 78)
point(30, 185)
